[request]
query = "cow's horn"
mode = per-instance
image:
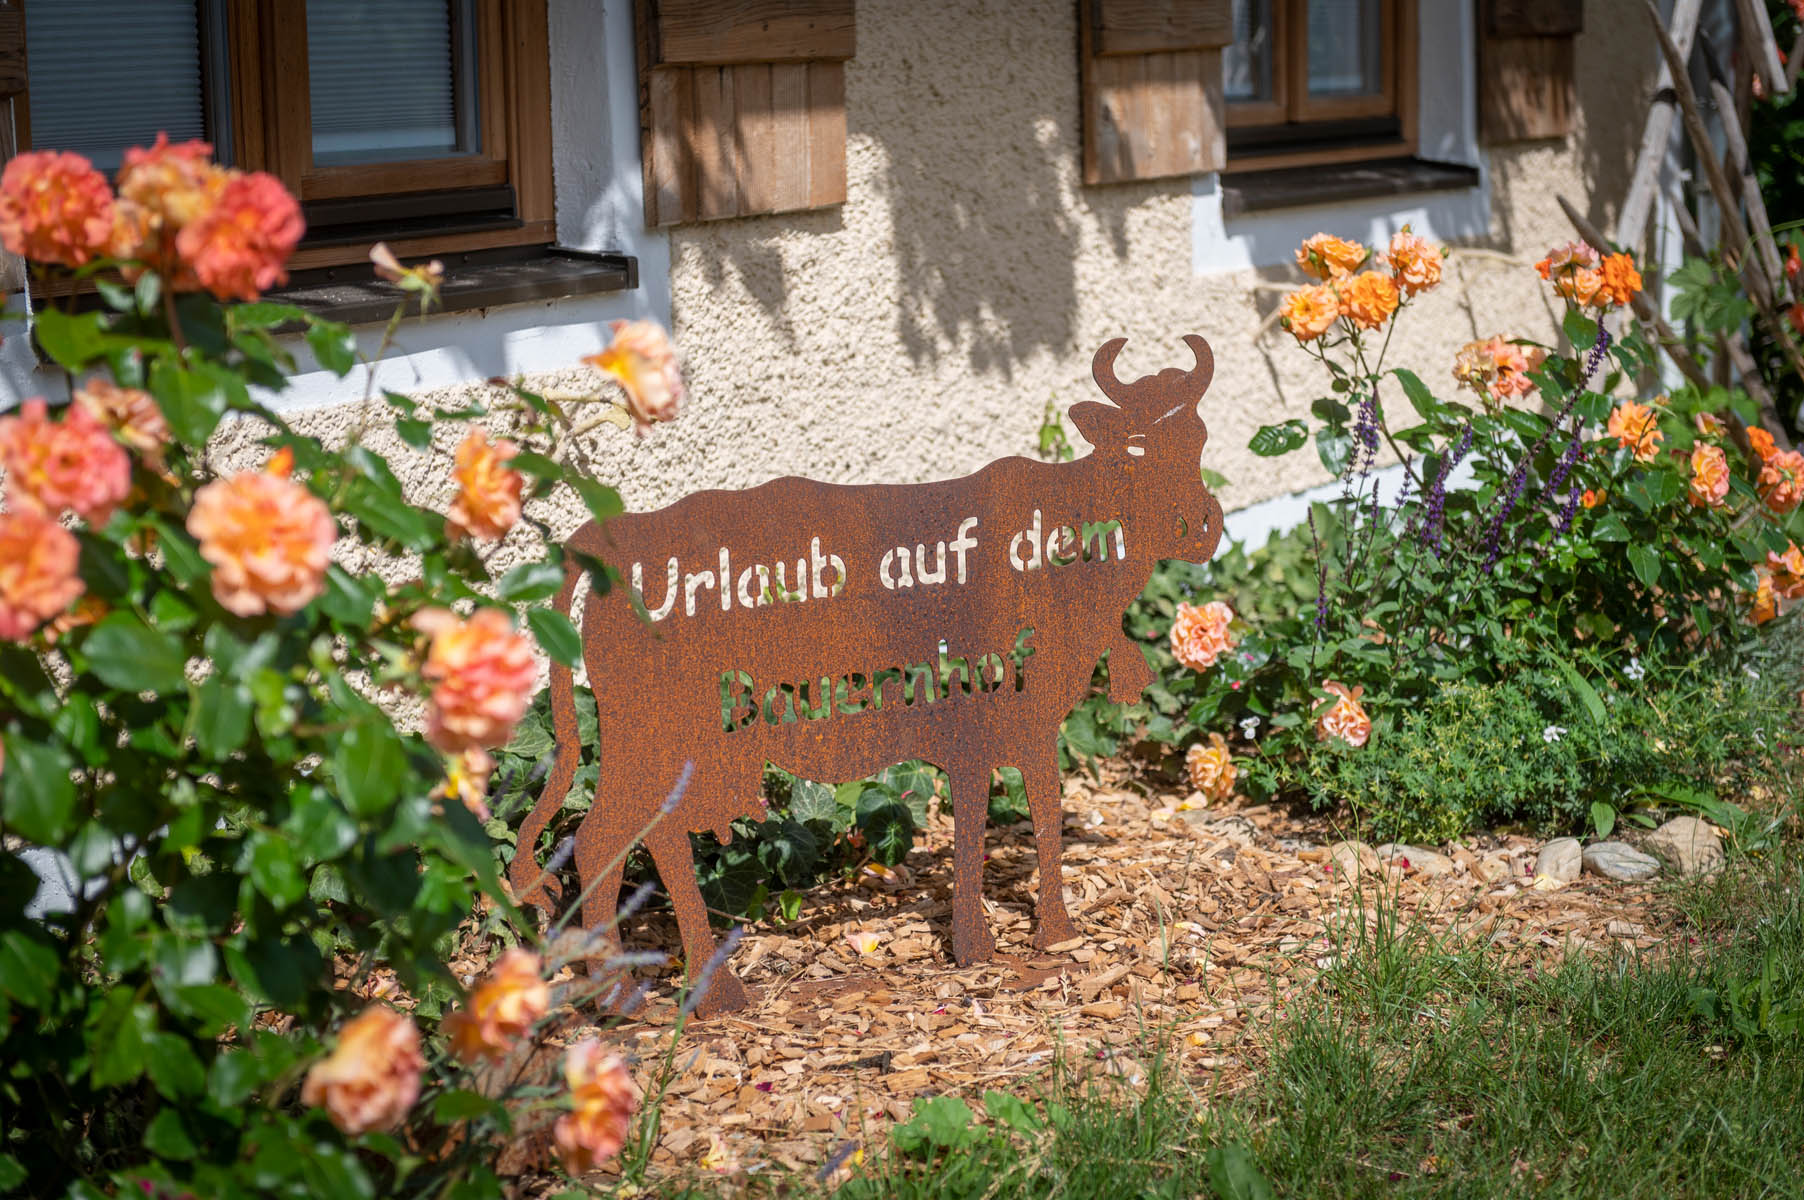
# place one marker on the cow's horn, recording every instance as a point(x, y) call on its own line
point(1102, 369)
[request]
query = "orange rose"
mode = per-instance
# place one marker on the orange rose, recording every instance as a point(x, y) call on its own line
point(1497, 369)
point(38, 558)
point(1781, 481)
point(1620, 282)
point(1415, 262)
point(1368, 298)
point(1709, 425)
point(55, 208)
point(1592, 499)
point(1709, 475)
point(643, 362)
point(1328, 257)
point(1787, 571)
point(488, 497)
point(238, 248)
point(1309, 312)
point(483, 673)
point(269, 540)
point(171, 183)
point(502, 1010)
point(372, 1077)
point(602, 1100)
point(131, 414)
point(1211, 768)
point(1346, 719)
point(1761, 441)
point(1571, 256)
point(1200, 635)
point(1635, 426)
point(1763, 606)
point(1795, 314)
point(73, 464)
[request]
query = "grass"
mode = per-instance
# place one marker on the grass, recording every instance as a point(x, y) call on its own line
point(1424, 1067)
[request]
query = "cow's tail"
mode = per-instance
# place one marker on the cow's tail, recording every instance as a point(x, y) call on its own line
point(532, 884)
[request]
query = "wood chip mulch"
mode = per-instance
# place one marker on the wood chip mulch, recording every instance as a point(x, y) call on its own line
point(1198, 925)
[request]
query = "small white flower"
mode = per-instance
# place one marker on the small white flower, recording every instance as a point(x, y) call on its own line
point(1553, 733)
point(1752, 673)
point(1634, 670)
point(1249, 728)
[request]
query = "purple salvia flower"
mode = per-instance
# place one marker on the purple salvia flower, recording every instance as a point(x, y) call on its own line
point(1568, 510)
point(1436, 501)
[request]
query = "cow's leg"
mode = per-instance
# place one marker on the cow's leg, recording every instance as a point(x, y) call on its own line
point(669, 846)
point(600, 853)
point(1045, 800)
point(971, 938)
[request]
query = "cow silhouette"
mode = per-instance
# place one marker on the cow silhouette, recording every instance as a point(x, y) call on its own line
point(835, 630)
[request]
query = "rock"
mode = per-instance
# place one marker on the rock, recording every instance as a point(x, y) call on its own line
point(1620, 861)
point(1624, 929)
point(1560, 860)
point(1495, 869)
point(1688, 845)
point(1416, 860)
point(1350, 860)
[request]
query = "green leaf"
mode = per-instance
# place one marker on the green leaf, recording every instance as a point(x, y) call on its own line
point(369, 766)
point(348, 599)
point(1646, 562)
point(1418, 395)
point(531, 582)
point(1333, 445)
point(386, 517)
point(129, 655)
point(557, 637)
point(1603, 818)
point(462, 1105)
point(28, 968)
point(273, 870)
point(1273, 440)
point(1011, 1111)
point(36, 794)
point(221, 716)
point(1235, 1175)
point(233, 1077)
point(536, 465)
point(12, 1173)
point(415, 433)
point(811, 801)
point(887, 824)
point(601, 500)
point(117, 1029)
point(173, 1067)
point(943, 1122)
point(166, 1137)
point(332, 345)
point(73, 341)
point(193, 403)
point(1586, 694)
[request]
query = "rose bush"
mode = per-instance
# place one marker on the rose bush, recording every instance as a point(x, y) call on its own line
point(243, 997)
point(1552, 524)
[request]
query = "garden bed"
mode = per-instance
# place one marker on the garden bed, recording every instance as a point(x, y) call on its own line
point(1198, 926)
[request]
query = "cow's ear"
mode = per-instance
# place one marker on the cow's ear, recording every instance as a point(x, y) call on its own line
point(1103, 425)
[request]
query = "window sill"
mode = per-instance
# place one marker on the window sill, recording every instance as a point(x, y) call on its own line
point(473, 280)
point(1333, 183)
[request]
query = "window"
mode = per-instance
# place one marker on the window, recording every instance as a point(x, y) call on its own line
point(1318, 81)
point(422, 122)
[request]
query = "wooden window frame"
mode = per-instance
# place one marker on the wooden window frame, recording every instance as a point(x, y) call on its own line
point(1291, 105)
point(269, 110)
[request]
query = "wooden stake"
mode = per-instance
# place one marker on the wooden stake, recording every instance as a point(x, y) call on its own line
point(1644, 180)
point(1757, 36)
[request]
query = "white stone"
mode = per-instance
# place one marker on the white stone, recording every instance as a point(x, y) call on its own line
point(1415, 860)
point(1560, 859)
point(1688, 845)
point(1353, 859)
point(1620, 861)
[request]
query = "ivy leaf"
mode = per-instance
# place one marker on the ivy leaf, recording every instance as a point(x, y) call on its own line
point(129, 655)
point(811, 801)
point(887, 824)
point(1273, 440)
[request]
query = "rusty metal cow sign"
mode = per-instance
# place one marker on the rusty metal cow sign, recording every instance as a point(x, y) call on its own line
point(834, 630)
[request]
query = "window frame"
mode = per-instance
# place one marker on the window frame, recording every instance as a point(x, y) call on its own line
point(1292, 110)
point(268, 111)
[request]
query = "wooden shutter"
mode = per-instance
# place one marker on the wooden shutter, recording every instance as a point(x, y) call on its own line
point(12, 83)
point(742, 106)
point(1152, 87)
point(1525, 68)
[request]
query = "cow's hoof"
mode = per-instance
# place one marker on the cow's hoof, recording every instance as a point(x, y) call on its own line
point(724, 994)
point(976, 948)
point(1055, 932)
